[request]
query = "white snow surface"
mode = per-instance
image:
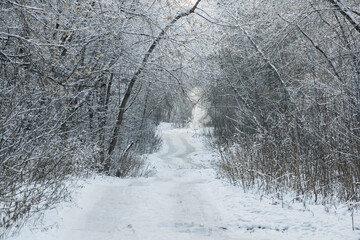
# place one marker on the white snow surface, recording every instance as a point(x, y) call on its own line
point(183, 200)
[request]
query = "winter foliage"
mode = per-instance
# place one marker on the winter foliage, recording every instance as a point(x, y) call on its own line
point(65, 69)
point(285, 98)
point(84, 84)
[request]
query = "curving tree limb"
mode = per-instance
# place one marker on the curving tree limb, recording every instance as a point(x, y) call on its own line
point(134, 78)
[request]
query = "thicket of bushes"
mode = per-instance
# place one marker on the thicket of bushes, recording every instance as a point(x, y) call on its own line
point(285, 99)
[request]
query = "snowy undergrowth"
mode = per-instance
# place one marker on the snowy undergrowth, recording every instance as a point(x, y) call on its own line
point(235, 168)
point(286, 199)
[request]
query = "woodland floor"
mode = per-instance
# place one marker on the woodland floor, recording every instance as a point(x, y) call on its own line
point(184, 199)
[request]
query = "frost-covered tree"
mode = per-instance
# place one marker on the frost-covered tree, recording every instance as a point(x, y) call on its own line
point(285, 96)
point(82, 86)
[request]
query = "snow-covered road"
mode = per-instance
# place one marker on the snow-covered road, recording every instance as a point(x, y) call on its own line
point(184, 200)
point(176, 203)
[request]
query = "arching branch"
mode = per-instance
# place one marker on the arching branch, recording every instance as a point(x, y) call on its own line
point(134, 78)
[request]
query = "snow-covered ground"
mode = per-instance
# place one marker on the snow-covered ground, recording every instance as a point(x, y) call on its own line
point(184, 200)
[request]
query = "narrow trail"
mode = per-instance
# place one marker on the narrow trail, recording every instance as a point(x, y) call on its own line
point(176, 203)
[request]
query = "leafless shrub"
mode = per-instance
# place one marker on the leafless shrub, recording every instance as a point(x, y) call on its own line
point(130, 164)
point(285, 100)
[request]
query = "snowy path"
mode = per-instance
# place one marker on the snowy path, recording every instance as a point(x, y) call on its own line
point(184, 201)
point(177, 203)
